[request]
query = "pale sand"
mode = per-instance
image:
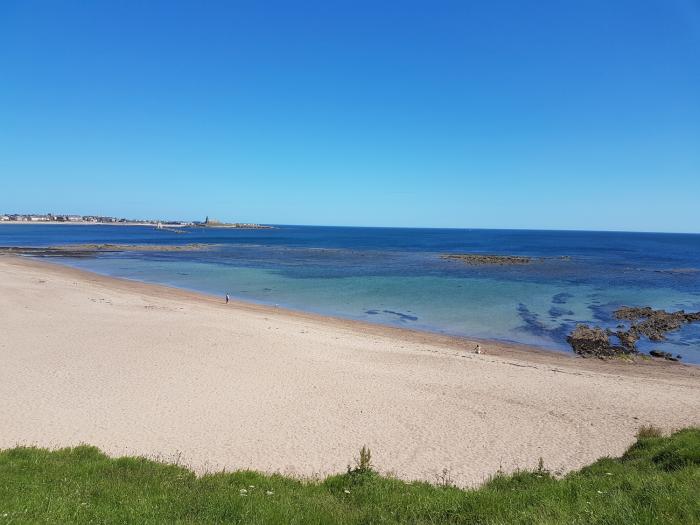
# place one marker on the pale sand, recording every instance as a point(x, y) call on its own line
point(150, 370)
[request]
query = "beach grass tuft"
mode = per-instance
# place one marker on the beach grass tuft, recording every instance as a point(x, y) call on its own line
point(363, 463)
point(656, 481)
point(649, 431)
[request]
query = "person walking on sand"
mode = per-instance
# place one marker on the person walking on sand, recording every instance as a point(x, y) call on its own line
point(227, 298)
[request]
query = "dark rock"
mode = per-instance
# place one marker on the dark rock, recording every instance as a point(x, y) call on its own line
point(654, 323)
point(644, 321)
point(479, 259)
point(666, 355)
point(628, 339)
point(593, 341)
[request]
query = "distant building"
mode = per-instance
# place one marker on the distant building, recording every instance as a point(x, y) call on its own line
point(4, 217)
point(212, 222)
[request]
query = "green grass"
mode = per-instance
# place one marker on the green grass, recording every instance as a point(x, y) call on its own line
point(656, 481)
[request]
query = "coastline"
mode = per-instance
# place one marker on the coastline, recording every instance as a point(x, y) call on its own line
point(151, 370)
point(234, 226)
point(497, 348)
point(79, 223)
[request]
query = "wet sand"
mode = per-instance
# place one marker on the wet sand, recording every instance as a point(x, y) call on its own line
point(150, 370)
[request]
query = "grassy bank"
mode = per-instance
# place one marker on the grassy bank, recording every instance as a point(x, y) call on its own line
point(656, 481)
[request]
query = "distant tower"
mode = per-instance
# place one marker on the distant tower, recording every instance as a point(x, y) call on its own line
point(206, 221)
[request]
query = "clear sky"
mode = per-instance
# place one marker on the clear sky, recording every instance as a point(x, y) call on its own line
point(575, 114)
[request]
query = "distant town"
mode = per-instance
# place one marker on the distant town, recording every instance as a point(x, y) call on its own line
point(50, 218)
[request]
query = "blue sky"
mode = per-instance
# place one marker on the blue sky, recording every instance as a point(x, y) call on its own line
point(561, 114)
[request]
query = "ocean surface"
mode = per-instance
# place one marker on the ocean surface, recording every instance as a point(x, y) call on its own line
point(395, 276)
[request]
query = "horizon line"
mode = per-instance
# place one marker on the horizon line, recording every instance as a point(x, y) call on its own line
point(481, 228)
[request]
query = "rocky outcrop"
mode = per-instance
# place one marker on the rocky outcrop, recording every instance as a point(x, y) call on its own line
point(593, 341)
point(643, 322)
point(654, 323)
point(480, 259)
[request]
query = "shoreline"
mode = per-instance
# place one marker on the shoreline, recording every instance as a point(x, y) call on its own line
point(81, 223)
point(165, 227)
point(155, 371)
point(492, 347)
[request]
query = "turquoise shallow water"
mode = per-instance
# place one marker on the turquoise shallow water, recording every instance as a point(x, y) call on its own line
point(396, 277)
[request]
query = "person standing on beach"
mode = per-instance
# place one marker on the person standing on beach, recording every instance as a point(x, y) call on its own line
point(226, 298)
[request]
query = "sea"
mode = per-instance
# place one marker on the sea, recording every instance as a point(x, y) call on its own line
point(396, 276)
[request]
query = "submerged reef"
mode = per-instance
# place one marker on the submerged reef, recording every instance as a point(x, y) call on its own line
point(86, 250)
point(643, 322)
point(478, 259)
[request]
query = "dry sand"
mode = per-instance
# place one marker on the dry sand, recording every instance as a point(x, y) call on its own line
point(154, 371)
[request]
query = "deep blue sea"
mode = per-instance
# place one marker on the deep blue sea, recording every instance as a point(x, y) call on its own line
point(395, 276)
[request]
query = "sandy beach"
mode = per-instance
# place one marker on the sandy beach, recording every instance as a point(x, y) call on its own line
point(149, 370)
